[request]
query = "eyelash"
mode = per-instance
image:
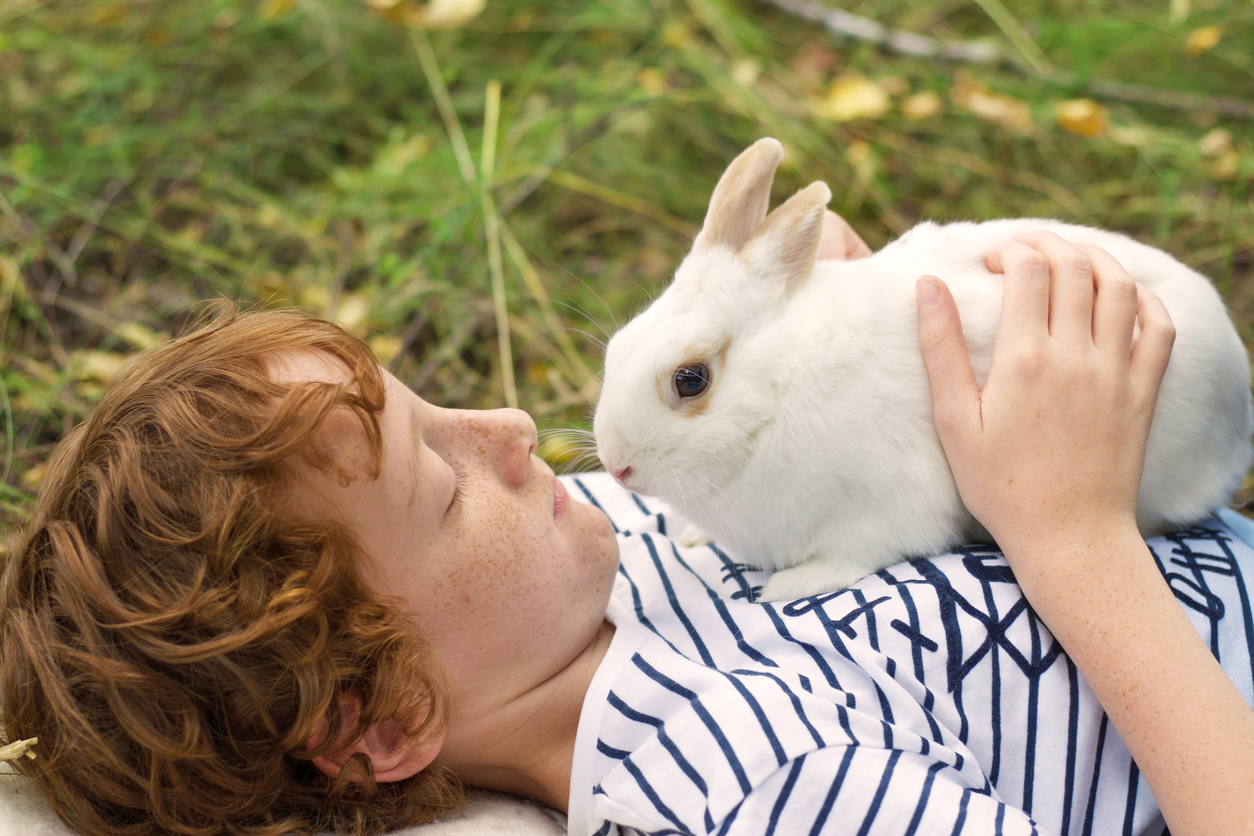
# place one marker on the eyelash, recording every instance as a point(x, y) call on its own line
point(459, 490)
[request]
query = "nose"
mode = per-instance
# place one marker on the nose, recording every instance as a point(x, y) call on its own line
point(621, 475)
point(512, 441)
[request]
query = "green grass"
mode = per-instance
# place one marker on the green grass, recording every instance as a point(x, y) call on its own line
point(156, 153)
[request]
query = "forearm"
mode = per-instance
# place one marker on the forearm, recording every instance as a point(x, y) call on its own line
point(1188, 728)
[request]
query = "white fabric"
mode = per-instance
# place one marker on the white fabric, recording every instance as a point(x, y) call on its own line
point(925, 699)
point(24, 813)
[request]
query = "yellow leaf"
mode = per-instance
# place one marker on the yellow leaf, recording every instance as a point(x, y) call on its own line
point(1200, 40)
point(676, 35)
point(989, 106)
point(439, 14)
point(99, 366)
point(1227, 165)
point(352, 312)
point(138, 336)
point(1134, 136)
point(853, 97)
point(746, 71)
point(385, 347)
point(652, 81)
point(1215, 144)
point(34, 477)
point(921, 105)
point(272, 9)
point(1083, 117)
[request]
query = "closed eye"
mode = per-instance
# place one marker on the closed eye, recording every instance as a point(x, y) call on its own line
point(459, 487)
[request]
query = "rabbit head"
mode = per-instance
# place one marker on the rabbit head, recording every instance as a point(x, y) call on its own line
point(692, 381)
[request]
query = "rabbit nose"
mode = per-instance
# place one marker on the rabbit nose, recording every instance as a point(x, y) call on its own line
point(621, 475)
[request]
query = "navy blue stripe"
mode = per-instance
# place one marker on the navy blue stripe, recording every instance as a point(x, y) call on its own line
point(654, 798)
point(640, 504)
point(1073, 743)
point(962, 812)
point(1034, 698)
point(674, 602)
point(1247, 617)
point(778, 748)
point(796, 703)
point(609, 751)
point(873, 635)
point(721, 607)
point(990, 604)
point(593, 500)
point(638, 605)
point(665, 739)
point(735, 571)
point(784, 793)
point(879, 793)
point(830, 799)
point(717, 733)
point(953, 639)
point(604, 829)
point(1129, 811)
point(924, 794)
point(815, 656)
point(1097, 772)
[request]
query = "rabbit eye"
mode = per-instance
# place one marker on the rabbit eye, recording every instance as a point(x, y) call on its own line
point(691, 380)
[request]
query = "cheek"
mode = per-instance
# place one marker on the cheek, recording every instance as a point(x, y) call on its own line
point(506, 564)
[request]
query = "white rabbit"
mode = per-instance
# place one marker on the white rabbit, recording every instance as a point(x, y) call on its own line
point(783, 405)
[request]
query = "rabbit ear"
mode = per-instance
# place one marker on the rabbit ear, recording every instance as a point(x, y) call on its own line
point(741, 197)
point(786, 246)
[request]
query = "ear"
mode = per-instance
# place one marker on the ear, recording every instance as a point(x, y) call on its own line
point(393, 753)
point(741, 197)
point(786, 246)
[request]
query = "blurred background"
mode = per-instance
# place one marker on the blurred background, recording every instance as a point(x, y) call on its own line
point(483, 189)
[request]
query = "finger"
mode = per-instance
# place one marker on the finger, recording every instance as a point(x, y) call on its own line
point(1025, 297)
point(1115, 308)
point(1153, 346)
point(1070, 286)
point(839, 242)
point(955, 394)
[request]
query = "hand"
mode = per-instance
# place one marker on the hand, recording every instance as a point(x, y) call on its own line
point(1048, 457)
point(839, 242)
point(1054, 443)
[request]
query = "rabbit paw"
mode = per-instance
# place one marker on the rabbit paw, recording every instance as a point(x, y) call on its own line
point(692, 536)
point(814, 577)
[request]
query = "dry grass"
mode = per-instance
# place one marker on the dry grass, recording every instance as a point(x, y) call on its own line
point(294, 152)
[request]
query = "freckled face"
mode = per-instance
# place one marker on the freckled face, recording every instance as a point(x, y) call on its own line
point(502, 573)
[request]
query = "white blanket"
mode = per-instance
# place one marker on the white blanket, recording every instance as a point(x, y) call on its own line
point(24, 813)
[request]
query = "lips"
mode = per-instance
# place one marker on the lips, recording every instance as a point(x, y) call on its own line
point(560, 498)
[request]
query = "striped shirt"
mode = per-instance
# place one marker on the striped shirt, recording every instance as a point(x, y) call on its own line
point(925, 699)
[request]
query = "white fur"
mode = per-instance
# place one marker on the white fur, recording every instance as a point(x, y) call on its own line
point(817, 454)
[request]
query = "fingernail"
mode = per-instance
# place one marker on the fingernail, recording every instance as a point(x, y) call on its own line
point(927, 292)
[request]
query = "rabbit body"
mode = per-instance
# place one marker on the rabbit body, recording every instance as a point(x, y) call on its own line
point(813, 450)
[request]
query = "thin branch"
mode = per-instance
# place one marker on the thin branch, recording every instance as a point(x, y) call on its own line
point(492, 230)
point(907, 43)
point(980, 52)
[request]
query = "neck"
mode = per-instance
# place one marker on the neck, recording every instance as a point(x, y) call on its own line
point(526, 746)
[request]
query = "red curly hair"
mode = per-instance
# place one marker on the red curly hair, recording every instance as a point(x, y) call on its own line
point(172, 636)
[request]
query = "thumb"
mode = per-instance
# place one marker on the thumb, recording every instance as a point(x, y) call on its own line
point(955, 395)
